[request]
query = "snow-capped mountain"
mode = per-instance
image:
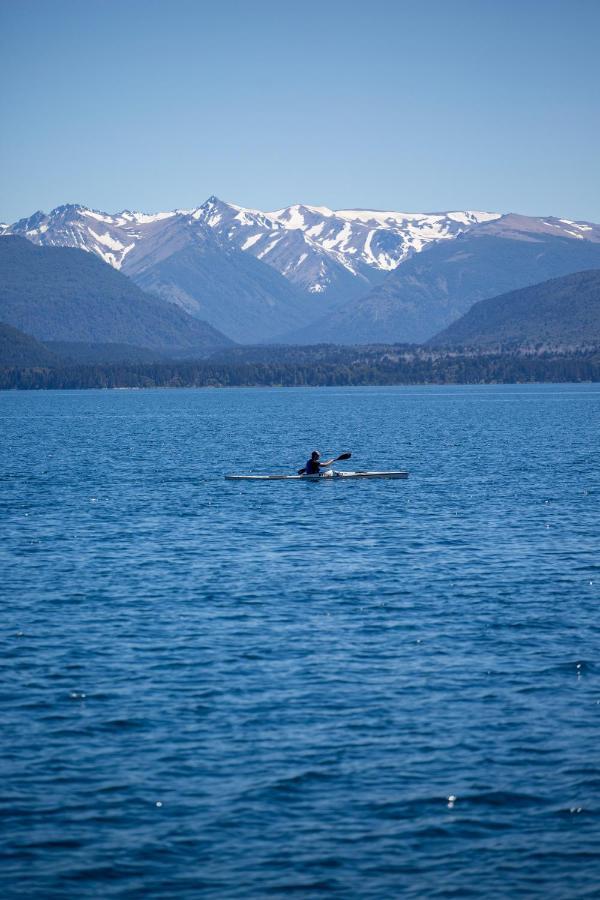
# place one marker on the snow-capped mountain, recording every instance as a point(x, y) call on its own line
point(318, 249)
point(255, 275)
point(111, 237)
point(325, 251)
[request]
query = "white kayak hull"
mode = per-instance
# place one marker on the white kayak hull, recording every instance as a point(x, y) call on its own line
point(326, 476)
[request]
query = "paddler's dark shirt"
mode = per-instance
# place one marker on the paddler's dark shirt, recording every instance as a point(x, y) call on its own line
point(313, 467)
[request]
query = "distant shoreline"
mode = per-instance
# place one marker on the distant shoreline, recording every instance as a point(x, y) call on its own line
point(352, 367)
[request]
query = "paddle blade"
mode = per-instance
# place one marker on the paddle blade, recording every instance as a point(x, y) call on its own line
point(344, 456)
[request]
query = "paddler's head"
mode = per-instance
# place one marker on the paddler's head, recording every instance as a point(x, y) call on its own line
point(315, 455)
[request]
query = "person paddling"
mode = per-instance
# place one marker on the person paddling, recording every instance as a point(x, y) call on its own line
point(314, 465)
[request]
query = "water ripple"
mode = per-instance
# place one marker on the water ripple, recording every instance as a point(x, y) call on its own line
point(357, 690)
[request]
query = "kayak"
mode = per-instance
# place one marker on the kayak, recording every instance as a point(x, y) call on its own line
point(325, 475)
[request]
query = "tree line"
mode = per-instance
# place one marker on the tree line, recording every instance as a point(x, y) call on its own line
point(451, 368)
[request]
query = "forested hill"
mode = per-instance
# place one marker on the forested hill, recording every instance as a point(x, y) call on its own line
point(65, 294)
point(563, 311)
point(19, 349)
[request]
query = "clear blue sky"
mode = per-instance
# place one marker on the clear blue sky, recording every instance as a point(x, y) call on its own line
point(156, 104)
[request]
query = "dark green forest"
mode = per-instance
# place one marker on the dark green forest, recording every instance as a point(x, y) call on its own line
point(563, 310)
point(64, 294)
point(418, 367)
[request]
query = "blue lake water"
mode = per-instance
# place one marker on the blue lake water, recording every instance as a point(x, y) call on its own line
point(356, 689)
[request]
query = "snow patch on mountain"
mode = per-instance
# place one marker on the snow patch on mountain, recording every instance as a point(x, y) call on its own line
point(108, 241)
point(250, 241)
point(144, 218)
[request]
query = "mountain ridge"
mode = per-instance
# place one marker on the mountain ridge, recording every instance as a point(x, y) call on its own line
point(307, 272)
point(316, 248)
